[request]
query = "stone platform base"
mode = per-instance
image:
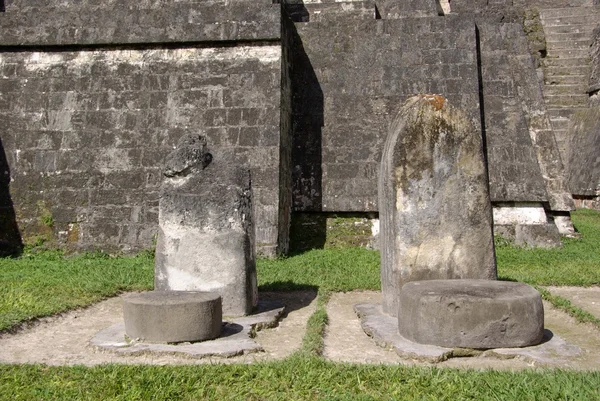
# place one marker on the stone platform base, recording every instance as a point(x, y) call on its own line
point(384, 331)
point(479, 314)
point(235, 339)
point(173, 316)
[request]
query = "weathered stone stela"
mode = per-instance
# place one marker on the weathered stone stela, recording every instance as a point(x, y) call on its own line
point(206, 233)
point(435, 211)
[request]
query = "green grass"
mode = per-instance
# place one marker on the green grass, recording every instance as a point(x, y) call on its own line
point(297, 378)
point(565, 305)
point(42, 284)
point(45, 283)
point(328, 269)
point(576, 263)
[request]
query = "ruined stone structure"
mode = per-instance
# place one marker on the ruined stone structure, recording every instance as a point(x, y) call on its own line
point(434, 204)
point(206, 227)
point(94, 95)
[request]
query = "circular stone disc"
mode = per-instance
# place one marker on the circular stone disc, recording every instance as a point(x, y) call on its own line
point(476, 314)
point(173, 316)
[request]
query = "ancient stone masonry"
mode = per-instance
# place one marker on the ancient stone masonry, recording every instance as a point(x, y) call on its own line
point(594, 89)
point(86, 129)
point(94, 95)
point(584, 172)
point(434, 205)
point(206, 231)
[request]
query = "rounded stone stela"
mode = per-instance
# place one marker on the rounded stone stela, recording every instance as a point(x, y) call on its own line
point(477, 314)
point(173, 316)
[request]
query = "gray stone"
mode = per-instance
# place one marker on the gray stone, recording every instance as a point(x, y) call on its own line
point(435, 212)
point(236, 337)
point(584, 163)
point(206, 233)
point(384, 331)
point(478, 314)
point(530, 235)
point(172, 316)
point(595, 62)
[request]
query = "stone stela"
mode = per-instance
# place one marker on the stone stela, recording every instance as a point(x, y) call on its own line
point(438, 269)
point(206, 232)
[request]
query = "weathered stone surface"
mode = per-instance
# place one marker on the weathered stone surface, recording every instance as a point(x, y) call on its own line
point(595, 63)
point(345, 97)
point(235, 339)
point(206, 233)
point(435, 212)
point(32, 22)
point(384, 331)
point(172, 316)
point(87, 132)
point(584, 163)
point(476, 314)
point(530, 235)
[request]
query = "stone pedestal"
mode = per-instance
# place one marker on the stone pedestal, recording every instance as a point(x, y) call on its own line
point(434, 205)
point(477, 314)
point(206, 233)
point(172, 316)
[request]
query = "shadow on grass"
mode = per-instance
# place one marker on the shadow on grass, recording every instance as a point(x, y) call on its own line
point(294, 296)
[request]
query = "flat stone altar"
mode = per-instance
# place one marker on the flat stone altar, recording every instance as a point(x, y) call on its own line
point(235, 338)
point(478, 314)
point(173, 316)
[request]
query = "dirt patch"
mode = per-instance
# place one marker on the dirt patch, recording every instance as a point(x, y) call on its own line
point(64, 340)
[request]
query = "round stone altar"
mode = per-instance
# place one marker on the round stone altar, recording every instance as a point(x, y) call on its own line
point(173, 316)
point(477, 314)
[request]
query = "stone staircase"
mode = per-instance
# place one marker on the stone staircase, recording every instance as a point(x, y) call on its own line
point(566, 65)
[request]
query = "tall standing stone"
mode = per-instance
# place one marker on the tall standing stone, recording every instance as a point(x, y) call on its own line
point(434, 205)
point(206, 233)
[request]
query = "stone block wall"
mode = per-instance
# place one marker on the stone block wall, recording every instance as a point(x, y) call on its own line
point(594, 88)
point(357, 73)
point(94, 95)
point(86, 132)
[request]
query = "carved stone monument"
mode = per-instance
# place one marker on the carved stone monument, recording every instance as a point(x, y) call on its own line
point(206, 234)
point(435, 211)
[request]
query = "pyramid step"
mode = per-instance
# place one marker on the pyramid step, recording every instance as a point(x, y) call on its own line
point(570, 70)
point(565, 62)
point(565, 79)
point(560, 123)
point(561, 112)
point(569, 53)
point(565, 89)
point(566, 100)
point(564, 11)
point(565, 36)
point(569, 44)
point(585, 28)
point(591, 18)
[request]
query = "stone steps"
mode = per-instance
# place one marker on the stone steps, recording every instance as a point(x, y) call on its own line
point(570, 44)
point(566, 65)
point(587, 19)
point(562, 112)
point(567, 70)
point(564, 89)
point(563, 62)
point(562, 36)
point(551, 13)
point(569, 101)
point(564, 79)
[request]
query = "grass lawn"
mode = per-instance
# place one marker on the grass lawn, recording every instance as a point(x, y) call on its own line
point(45, 283)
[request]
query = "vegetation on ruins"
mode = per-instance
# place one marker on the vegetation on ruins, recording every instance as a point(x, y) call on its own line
point(41, 283)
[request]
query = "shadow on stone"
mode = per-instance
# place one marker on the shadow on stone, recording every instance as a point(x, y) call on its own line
point(230, 329)
point(11, 243)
